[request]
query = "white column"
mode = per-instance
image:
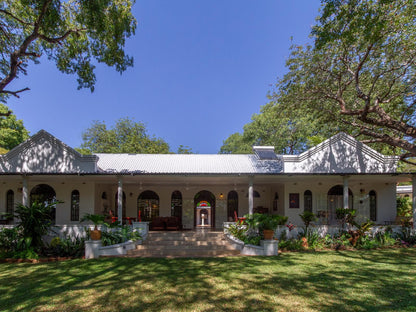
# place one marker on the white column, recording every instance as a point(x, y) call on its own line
point(414, 199)
point(250, 196)
point(120, 200)
point(25, 192)
point(345, 192)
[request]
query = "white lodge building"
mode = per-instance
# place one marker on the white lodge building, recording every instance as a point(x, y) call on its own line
point(202, 190)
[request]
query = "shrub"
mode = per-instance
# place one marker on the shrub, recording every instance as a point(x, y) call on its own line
point(291, 245)
point(307, 217)
point(34, 221)
point(65, 247)
point(119, 234)
point(404, 206)
point(407, 236)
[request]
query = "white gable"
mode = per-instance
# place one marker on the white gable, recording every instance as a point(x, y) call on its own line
point(43, 153)
point(340, 154)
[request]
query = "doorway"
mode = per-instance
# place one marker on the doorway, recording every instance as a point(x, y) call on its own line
point(204, 211)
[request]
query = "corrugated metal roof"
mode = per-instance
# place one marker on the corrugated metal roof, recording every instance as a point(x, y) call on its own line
point(187, 164)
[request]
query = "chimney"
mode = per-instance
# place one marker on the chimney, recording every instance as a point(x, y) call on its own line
point(265, 152)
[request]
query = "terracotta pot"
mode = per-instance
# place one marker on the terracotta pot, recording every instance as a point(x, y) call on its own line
point(95, 234)
point(268, 234)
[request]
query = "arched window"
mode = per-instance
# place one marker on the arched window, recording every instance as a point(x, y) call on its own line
point(176, 204)
point(75, 205)
point(10, 202)
point(307, 201)
point(148, 205)
point(123, 205)
point(232, 205)
point(43, 193)
point(373, 205)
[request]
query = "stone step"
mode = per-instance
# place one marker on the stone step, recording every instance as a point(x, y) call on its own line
point(185, 234)
point(184, 247)
point(182, 253)
point(185, 242)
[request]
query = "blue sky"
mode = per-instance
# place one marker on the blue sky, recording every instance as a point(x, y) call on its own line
point(202, 68)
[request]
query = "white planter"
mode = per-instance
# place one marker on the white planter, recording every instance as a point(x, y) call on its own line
point(117, 249)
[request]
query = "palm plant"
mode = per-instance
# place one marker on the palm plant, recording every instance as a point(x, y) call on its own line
point(34, 221)
point(97, 219)
point(307, 217)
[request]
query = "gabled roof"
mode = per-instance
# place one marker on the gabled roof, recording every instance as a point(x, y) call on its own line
point(187, 164)
point(44, 153)
point(342, 136)
point(343, 154)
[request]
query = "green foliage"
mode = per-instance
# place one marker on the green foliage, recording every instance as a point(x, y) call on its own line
point(65, 247)
point(127, 136)
point(345, 216)
point(291, 245)
point(358, 76)
point(97, 219)
point(262, 222)
point(184, 149)
point(34, 221)
point(8, 241)
point(119, 234)
point(307, 217)
point(12, 131)
point(74, 34)
point(14, 245)
point(245, 234)
point(407, 236)
point(404, 206)
point(277, 125)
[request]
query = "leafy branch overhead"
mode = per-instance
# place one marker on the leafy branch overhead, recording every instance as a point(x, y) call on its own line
point(72, 33)
point(360, 71)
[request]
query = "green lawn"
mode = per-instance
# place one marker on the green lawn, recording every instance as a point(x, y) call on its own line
point(380, 280)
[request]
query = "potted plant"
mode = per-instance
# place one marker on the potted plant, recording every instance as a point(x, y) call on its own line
point(96, 219)
point(266, 223)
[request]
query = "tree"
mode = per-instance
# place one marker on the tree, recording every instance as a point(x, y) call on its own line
point(277, 125)
point(184, 149)
point(12, 131)
point(360, 71)
point(71, 33)
point(127, 136)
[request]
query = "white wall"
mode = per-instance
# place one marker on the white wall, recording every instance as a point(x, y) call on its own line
point(63, 192)
point(386, 200)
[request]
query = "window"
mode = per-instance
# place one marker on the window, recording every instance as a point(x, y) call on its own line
point(307, 201)
point(10, 202)
point(148, 205)
point(176, 204)
point(232, 205)
point(294, 200)
point(75, 205)
point(373, 205)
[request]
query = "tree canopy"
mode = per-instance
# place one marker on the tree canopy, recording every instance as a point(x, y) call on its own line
point(360, 72)
point(12, 130)
point(279, 126)
point(127, 136)
point(74, 34)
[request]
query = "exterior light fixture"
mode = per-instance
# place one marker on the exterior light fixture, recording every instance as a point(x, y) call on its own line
point(221, 196)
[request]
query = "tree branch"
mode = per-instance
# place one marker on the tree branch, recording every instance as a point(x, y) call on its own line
point(15, 93)
point(59, 39)
point(15, 17)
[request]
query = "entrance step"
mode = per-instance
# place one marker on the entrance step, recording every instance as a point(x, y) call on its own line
point(184, 244)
